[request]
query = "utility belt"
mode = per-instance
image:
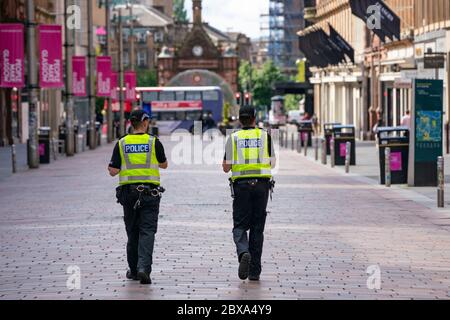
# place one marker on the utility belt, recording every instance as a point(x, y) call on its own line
point(141, 190)
point(252, 182)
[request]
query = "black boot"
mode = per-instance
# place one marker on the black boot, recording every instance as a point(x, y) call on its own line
point(244, 266)
point(131, 275)
point(144, 277)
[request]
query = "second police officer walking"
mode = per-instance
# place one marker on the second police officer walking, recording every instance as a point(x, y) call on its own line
point(250, 156)
point(137, 159)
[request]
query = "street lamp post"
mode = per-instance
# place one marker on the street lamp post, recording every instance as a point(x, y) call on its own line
point(69, 50)
point(121, 80)
point(109, 113)
point(33, 154)
point(91, 86)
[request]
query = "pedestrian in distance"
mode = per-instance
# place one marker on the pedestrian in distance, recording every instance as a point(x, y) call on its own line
point(137, 159)
point(250, 157)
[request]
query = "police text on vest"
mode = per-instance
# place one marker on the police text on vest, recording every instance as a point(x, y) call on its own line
point(137, 148)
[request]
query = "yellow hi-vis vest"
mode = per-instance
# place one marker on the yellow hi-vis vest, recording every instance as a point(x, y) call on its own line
point(250, 155)
point(139, 162)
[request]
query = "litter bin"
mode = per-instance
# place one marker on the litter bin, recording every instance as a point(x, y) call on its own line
point(328, 133)
point(342, 135)
point(44, 145)
point(397, 139)
point(305, 128)
point(62, 137)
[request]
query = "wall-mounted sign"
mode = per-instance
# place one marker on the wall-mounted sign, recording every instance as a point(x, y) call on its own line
point(434, 60)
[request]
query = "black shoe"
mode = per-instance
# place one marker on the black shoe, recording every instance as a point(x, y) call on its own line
point(144, 277)
point(131, 275)
point(253, 277)
point(244, 266)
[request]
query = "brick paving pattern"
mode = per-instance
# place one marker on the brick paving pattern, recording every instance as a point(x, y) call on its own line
point(323, 230)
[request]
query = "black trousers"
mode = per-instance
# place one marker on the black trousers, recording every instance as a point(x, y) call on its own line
point(249, 215)
point(141, 226)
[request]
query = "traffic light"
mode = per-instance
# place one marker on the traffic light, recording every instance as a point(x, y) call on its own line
point(238, 99)
point(247, 99)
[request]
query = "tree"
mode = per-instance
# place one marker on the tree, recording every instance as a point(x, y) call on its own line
point(179, 11)
point(247, 75)
point(292, 101)
point(147, 78)
point(264, 82)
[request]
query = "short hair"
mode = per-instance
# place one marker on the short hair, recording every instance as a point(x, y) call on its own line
point(246, 121)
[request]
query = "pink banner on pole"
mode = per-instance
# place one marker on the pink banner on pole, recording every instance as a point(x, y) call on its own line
point(104, 65)
point(79, 76)
point(51, 63)
point(114, 86)
point(12, 56)
point(130, 86)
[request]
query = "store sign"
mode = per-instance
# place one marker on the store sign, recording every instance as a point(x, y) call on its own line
point(434, 60)
point(12, 56)
point(427, 141)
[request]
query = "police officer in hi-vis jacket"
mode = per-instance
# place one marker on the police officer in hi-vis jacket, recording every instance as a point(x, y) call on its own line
point(137, 159)
point(250, 157)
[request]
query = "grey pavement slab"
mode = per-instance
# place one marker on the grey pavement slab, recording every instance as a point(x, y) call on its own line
point(324, 229)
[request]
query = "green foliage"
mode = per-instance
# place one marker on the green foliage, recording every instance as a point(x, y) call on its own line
point(264, 81)
point(147, 78)
point(291, 101)
point(247, 75)
point(179, 11)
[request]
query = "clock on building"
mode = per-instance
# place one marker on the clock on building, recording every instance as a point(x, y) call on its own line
point(197, 51)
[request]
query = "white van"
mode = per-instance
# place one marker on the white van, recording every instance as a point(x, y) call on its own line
point(295, 116)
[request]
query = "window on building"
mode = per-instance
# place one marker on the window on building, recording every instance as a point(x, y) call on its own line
point(158, 36)
point(126, 59)
point(142, 58)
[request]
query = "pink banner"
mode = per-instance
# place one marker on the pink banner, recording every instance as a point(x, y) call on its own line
point(12, 56)
point(51, 63)
point(79, 76)
point(114, 86)
point(130, 86)
point(104, 65)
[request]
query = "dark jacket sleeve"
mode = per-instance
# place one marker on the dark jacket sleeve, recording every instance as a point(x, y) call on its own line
point(116, 161)
point(160, 153)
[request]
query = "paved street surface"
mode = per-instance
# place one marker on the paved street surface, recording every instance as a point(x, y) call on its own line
point(324, 229)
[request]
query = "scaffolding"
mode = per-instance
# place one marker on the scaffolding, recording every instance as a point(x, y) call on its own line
point(284, 20)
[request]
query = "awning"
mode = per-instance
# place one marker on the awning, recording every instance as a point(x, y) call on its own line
point(320, 49)
point(342, 43)
point(389, 21)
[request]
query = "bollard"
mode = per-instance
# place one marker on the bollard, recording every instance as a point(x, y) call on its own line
point(281, 138)
point(316, 148)
point(54, 146)
point(332, 155)
point(14, 158)
point(299, 143)
point(286, 139)
point(292, 142)
point(324, 151)
point(441, 182)
point(348, 148)
point(387, 167)
point(306, 138)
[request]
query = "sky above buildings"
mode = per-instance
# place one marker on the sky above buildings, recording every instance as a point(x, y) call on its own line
point(233, 15)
